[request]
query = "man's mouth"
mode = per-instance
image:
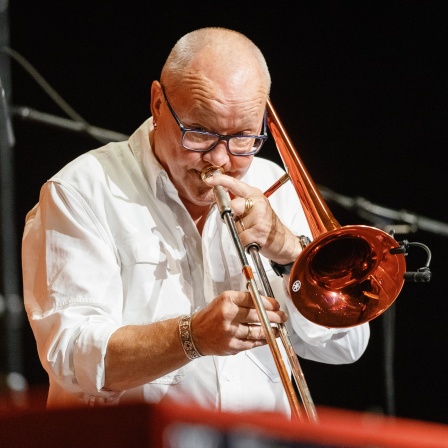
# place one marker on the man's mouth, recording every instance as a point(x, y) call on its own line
point(210, 171)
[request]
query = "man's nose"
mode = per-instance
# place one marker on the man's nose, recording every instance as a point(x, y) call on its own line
point(218, 156)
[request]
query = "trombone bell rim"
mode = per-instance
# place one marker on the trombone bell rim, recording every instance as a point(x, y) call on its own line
point(361, 280)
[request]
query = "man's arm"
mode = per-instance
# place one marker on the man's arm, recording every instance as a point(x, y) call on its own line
point(139, 354)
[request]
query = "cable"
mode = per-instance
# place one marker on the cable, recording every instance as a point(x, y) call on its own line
point(388, 353)
point(86, 127)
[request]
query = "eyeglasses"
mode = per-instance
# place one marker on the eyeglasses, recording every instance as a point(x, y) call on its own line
point(204, 141)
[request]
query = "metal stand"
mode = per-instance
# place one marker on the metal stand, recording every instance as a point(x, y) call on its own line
point(395, 221)
point(11, 303)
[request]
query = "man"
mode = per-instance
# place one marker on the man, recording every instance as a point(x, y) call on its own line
point(132, 285)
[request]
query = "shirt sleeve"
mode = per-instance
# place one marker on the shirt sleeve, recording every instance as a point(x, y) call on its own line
point(72, 289)
point(329, 345)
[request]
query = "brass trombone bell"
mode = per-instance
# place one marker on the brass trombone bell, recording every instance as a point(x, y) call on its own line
point(347, 275)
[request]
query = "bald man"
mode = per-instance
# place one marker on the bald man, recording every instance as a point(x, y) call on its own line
point(132, 284)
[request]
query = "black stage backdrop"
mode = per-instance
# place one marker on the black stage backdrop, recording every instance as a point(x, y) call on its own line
point(361, 88)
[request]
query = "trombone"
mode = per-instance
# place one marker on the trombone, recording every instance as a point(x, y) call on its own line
point(345, 277)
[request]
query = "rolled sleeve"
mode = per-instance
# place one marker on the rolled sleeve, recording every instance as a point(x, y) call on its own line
point(322, 344)
point(72, 291)
point(88, 358)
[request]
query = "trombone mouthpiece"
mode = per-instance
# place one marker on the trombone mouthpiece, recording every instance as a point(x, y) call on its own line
point(221, 196)
point(210, 171)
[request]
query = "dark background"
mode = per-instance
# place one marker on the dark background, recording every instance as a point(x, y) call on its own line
point(361, 88)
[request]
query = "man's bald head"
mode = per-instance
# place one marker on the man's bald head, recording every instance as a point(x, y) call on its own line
point(223, 52)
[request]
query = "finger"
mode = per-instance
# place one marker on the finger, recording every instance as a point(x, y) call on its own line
point(245, 332)
point(243, 207)
point(235, 186)
point(242, 225)
point(238, 207)
point(248, 314)
point(255, 332)
point(244, 300)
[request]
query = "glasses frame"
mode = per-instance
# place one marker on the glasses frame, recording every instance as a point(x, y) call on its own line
point(226, 138)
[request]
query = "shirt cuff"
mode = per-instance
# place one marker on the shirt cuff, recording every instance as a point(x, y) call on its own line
point(88, 358)
point(309, 332)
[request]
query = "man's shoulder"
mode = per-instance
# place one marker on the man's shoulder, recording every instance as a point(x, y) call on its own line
point(97, 162)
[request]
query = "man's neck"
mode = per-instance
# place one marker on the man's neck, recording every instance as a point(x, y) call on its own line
point(198, 214)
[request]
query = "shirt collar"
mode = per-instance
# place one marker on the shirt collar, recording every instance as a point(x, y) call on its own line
point(141, 148)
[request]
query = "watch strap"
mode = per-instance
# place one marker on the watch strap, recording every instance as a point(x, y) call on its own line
point(281, 269)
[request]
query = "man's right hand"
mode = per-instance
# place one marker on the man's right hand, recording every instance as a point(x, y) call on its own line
point(230, 324)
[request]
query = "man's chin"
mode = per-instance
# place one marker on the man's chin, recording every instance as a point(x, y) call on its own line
point(207, 199)
point(203, 198)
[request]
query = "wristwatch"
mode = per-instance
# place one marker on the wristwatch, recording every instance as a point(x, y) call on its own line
point(283, 269)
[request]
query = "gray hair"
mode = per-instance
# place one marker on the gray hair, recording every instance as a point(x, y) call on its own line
point(222, 39)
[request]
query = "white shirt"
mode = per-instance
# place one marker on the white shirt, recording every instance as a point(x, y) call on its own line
point(111, 244)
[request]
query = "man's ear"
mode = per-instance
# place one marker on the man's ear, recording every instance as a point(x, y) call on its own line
point(157, 99)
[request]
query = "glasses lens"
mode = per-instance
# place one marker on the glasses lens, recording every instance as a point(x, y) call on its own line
point(203, 141)
point(199, 141)
point(245, 145)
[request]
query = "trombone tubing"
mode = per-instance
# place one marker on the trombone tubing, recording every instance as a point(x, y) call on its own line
point(296, 369)
point(223, 202)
